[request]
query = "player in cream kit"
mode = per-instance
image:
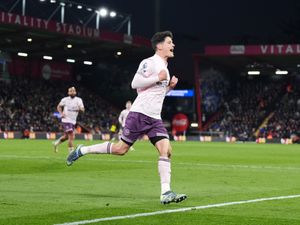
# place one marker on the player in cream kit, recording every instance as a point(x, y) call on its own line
point(124, 113)
point(69, 107)
point(122, 119)
point(152, 82)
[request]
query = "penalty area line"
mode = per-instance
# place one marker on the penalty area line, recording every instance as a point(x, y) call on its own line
point(179, 210)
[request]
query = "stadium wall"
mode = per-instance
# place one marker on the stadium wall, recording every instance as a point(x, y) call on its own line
point(105, 137)
point(51, 136)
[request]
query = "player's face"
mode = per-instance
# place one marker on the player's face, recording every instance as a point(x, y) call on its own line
point(167, 47)
point(128, 105)
point(72, 92)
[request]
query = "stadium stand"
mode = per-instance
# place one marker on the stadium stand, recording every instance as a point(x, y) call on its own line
point(259, 98)
point(285, 122)
point(43, 52)
point(31, 104)
point(246, 107)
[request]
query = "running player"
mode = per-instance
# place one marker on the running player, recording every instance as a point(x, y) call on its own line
point(69, 108)
point(152, 81)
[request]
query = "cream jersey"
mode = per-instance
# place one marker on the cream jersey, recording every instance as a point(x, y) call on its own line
point(122, 117)
point(71, 109)
point(151, 91)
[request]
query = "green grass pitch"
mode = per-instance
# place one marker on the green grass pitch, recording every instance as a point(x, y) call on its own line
point(36, 186)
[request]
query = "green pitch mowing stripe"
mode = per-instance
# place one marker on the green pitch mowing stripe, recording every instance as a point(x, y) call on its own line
point(237, 166)
point(37, 188)
point(179, 210)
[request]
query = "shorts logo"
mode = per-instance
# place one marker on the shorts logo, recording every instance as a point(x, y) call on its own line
point(126, 131)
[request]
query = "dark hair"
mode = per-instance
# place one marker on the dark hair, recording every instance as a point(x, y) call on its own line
point(160, 37)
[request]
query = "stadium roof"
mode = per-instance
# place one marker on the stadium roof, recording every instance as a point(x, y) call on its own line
point(39, 37)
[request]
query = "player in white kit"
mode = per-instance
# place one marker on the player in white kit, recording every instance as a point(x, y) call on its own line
point(123, 115)
point(152, 81)
point(69, 108)
point(122, 119)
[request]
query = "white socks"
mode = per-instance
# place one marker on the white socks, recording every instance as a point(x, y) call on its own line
point(164, 164)
point(164, 169)
point(58, 141)
point(104, 148)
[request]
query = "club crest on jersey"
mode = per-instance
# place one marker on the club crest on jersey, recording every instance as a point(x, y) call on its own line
point(144, 67)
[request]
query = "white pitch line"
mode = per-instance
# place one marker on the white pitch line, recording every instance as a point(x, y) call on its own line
point(178, 210)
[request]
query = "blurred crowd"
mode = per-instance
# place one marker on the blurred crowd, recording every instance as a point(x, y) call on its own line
point(285, 123)
point(247, 108)
point(27, 104)
point(259, 107)
point(214, 87)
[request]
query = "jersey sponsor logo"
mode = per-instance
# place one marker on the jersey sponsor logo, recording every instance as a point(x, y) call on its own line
point(73, 110)
point(163, 83)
